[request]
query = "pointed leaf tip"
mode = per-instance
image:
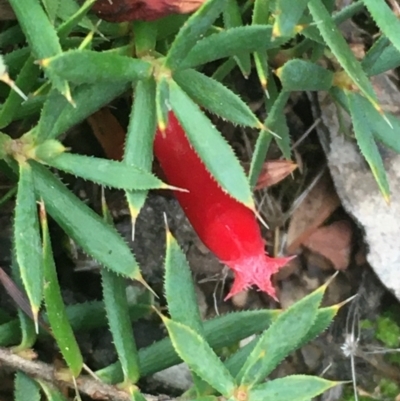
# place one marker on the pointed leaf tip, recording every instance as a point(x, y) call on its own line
point(138, 277)
point(324, 286)
point(44, 62)
point(35, 315)
point(162, 126)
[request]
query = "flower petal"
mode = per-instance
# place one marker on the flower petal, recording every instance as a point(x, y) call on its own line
point(256, 271)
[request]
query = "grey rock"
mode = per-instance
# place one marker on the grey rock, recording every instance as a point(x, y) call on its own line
point(360, 194)
point(176, 377)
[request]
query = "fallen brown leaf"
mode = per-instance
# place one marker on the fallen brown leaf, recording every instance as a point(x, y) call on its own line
point(318, 205)
point(274, 171)
point(109, 133)
point(333, 242)
point(144, 10)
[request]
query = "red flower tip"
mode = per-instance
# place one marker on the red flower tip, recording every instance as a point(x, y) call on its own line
point(256, 271)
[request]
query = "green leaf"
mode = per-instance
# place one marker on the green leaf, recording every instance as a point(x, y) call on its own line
point(58, 115)
point(88, 230)
point(69, 9)
point(261, 12)
point(10, 333)
point(280, 339)
point(260, 151)
point(137, 395)
point(366, 143)
point(293, 388)
point(381, 57)
point(221, 331)
point(216, 98)
point(26, 389)
point(261, 64)
point(90, 315)
point(27, 238)
point(276, 121)
point(301, 75)
point(5, 317)
point(51, 392)
point(145, 37)
point(104, 172)
point(288, 14)
point(51, 7)
point(86, 66)
point(25, 81)
point(229, 43)
point(16, 59)
point(324, 317)
point(224, 69)
point(83, 317)
point(386, 20)
point(169, 26)
point(55, 307)
point(199, 356)
point(233, 18)
point(30, 108)
point(382, 132)
point(387, 135)
point(6, 144)
point(336, 42)
point(139, 139)
point(54, 105)
point(162, 103)
point(216, 154)
point(10, 36)
point(40, 34)
point(312, 32)
point(179, 289)
point(232, 14)
point(76, 15)
point(117, 309)
point(193, 29)
point(235, 362)
point(116, 305)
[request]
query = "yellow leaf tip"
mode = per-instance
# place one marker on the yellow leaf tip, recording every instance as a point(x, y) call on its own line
point(44, 62)
point(138, 277)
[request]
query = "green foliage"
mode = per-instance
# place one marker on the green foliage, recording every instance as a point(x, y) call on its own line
point(26, 389)
point(70, 66)
point(56, 314)
point(260, 362)
point(27, 238)
point(388, 331)
point(292, 326)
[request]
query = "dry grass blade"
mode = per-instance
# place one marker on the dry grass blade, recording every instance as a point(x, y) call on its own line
point(19, 297)
point(15, 293)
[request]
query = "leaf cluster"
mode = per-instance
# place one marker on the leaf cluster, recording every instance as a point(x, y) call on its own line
point(71, 66)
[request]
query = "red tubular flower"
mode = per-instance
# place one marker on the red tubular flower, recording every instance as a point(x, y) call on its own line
point(227, 227)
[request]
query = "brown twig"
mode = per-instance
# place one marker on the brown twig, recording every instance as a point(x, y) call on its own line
point(86, 385)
